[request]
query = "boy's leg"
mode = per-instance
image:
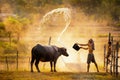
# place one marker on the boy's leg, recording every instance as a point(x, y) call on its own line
point(93, 60)
point(96, 66)
point(88, 66)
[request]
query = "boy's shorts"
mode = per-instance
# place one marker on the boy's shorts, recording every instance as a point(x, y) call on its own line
point(90, 58)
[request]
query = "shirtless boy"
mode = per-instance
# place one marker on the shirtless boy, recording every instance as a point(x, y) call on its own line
point(90, 49)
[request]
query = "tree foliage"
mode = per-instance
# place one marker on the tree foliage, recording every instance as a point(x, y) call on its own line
point(110, 8)
point(102, 8)
point(16, 25)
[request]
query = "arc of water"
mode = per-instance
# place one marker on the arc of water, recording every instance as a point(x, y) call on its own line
point(67, 17)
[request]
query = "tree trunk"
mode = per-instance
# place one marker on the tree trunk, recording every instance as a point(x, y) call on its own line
point(10, 38)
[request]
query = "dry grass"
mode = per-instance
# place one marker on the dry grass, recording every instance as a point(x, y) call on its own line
point(55, 76)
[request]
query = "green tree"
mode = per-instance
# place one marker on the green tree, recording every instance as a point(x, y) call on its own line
point(15, 26)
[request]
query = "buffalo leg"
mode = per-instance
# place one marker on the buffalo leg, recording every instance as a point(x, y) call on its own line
point(51, 66)
point(36, 64)
point(55, 66)
point(32, 61)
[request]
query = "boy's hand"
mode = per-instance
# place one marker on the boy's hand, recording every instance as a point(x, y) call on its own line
point(81, 47)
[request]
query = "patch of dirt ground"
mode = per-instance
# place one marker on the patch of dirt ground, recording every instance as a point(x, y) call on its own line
point(24, 75)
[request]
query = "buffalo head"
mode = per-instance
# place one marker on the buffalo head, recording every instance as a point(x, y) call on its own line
point(63, 51)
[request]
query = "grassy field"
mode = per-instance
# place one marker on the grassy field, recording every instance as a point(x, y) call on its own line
point(24, 75)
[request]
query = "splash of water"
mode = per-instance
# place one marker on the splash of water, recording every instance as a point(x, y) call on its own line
point(67, 17)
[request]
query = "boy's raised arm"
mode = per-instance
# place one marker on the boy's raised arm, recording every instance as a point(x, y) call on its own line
point(82, 44)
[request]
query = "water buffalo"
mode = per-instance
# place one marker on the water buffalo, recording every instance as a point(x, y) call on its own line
point(46, 54)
